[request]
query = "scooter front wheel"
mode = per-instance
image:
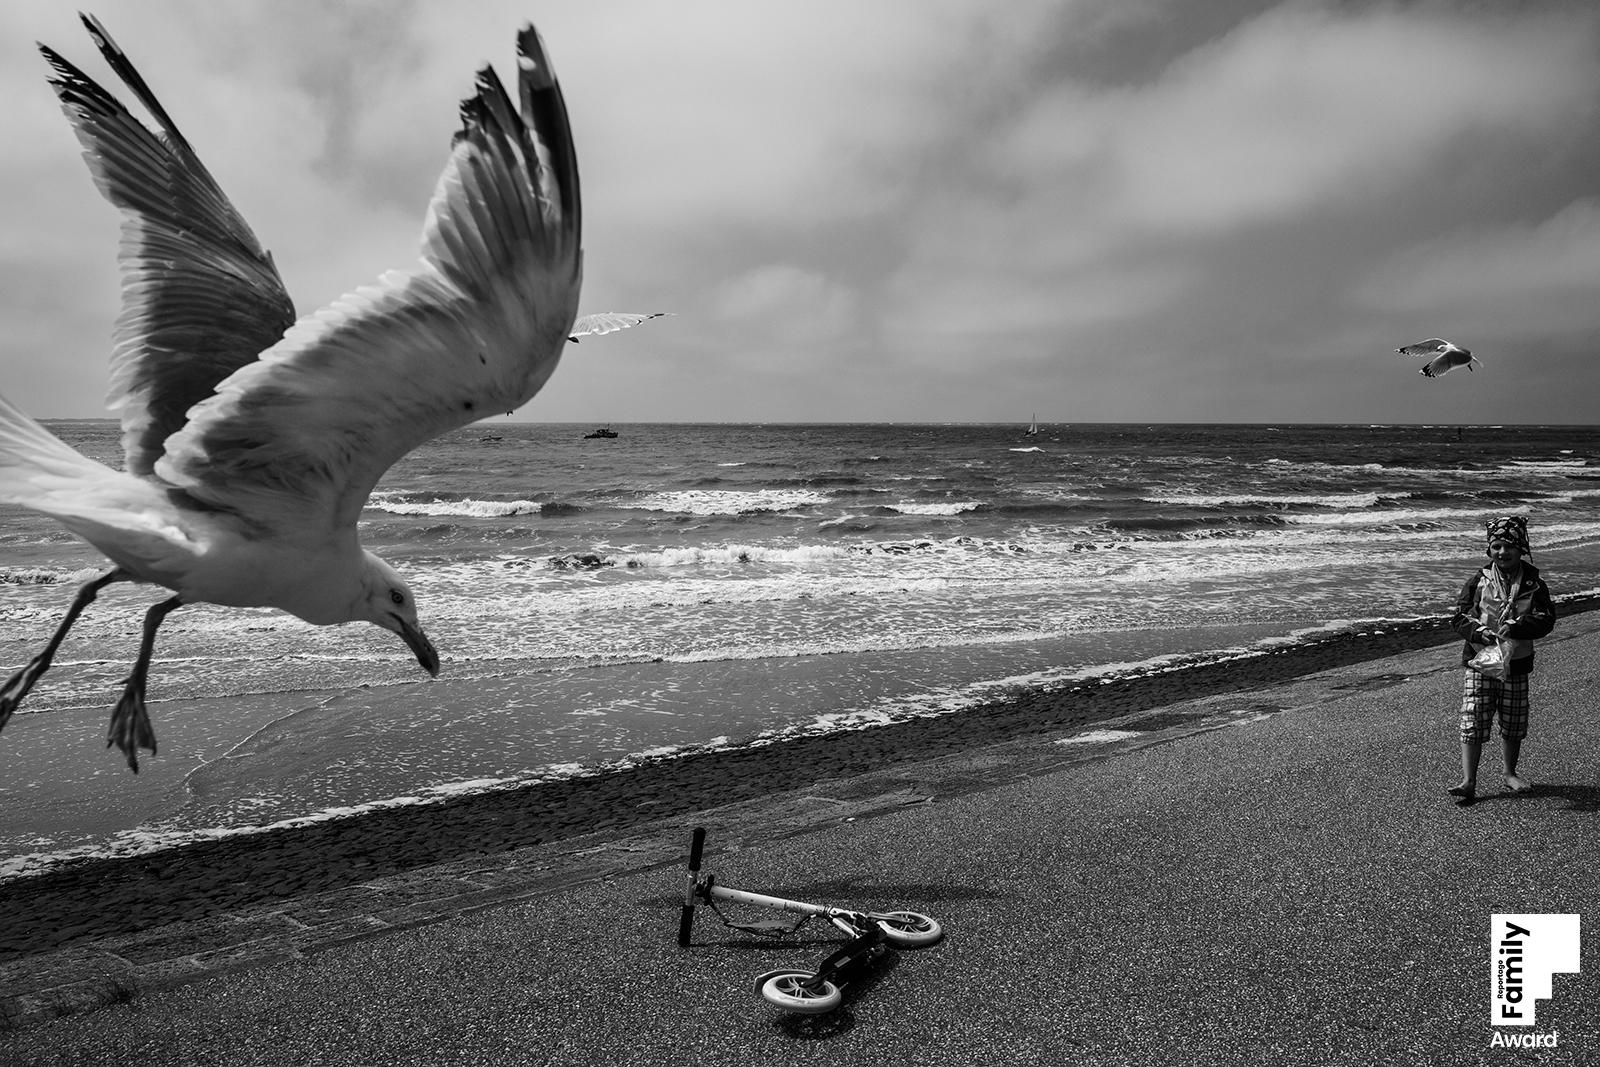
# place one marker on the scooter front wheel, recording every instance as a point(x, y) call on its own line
point(908, 929)
point(801, 991)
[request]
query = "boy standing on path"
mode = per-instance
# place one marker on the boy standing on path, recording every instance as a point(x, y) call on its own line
point(1506, 602)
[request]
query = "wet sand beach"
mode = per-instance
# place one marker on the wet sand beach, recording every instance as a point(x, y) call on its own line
point(63, 905)
point(1231, 861)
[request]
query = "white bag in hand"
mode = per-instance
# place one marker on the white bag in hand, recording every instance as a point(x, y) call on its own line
point(1491, 662)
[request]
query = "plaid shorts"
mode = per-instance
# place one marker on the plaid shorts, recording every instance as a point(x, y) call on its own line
point(1482, 698)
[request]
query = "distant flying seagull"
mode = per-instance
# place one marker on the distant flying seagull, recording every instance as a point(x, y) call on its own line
point(609, 322)
point(252, 440)
point(1446, 355)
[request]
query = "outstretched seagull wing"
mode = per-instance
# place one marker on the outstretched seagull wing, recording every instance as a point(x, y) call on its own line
point(200, 297)
point(609, 322)
point(1431, 347)
point(295, 441)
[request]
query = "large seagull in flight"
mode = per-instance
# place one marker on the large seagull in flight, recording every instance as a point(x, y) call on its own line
point(253, 439)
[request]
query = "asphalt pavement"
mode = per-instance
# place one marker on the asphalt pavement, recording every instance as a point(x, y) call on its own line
point(1275, 877)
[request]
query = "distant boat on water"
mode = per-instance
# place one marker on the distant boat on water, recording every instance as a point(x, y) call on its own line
point(1033, 427)
point(604, 431)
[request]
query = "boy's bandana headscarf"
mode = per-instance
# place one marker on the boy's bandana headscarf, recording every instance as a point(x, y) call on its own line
point(1513, 528)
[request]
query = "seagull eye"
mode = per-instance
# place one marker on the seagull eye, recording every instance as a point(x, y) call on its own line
point(397, 596)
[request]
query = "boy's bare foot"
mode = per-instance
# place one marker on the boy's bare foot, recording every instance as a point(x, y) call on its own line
point(1466, 793)
point(1518, 785)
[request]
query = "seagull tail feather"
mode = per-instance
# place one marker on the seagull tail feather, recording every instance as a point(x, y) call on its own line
point(31, 457)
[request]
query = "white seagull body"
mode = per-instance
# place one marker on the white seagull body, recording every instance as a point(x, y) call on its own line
point(1445, 355)
point(252, 440)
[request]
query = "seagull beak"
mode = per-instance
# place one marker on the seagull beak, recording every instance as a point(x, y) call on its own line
point(420, 646)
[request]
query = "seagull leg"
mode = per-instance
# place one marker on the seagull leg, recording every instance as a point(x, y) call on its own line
point(18, 686)
point(130, 722)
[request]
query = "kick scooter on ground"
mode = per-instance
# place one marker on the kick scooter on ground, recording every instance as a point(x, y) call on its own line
point(873, 934)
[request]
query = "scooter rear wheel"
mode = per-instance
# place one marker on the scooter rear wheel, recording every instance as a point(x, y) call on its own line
point(908, 929)
point(801, 991)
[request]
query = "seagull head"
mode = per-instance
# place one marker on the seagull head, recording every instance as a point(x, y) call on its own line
point(388, 603)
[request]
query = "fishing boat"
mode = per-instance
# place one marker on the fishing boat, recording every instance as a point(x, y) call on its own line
point(604, 431)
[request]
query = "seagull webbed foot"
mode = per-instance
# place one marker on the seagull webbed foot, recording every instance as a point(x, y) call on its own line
point(130, 725)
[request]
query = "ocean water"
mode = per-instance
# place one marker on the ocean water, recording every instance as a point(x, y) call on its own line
point(682, 586)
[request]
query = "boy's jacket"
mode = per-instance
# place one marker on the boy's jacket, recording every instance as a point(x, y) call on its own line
point(1533, 615)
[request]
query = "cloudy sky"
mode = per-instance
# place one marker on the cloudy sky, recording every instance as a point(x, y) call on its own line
point(904, 210)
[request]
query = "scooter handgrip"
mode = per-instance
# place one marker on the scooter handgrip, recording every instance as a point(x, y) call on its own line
point(697, 844)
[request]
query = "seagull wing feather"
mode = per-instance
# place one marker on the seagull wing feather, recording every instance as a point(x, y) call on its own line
point(297, 440)
point(200, 297)
point(1431, 347)
point(610, 322)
